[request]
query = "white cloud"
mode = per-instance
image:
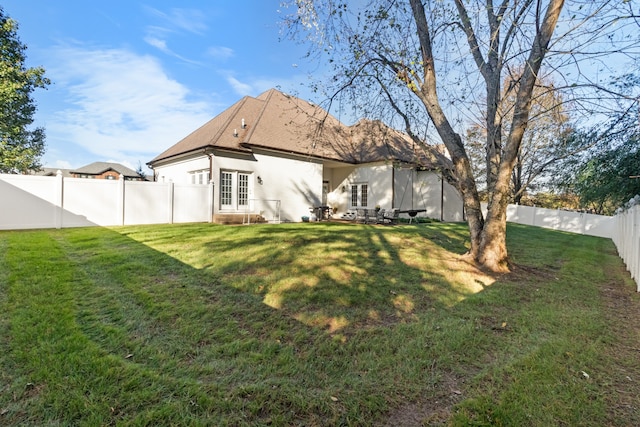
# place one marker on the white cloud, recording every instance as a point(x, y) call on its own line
point(157, 43)
point(255, 85)
point(220, 52)
point(190, 20)
point(242, 89)
point(121, 105)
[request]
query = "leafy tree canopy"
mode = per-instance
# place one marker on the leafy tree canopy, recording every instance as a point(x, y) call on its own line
point(608, 175)
point(20, 146)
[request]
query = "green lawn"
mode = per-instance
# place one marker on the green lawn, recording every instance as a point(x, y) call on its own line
point(313, 324)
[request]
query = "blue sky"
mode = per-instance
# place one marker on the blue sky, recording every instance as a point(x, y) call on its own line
point(132, 78)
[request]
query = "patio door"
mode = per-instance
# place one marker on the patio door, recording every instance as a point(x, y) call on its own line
point(235, 190)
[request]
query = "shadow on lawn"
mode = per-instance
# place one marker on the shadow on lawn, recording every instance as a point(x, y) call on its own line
point(343, 277)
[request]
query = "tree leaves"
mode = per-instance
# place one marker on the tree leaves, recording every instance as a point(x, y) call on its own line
point(20, 147)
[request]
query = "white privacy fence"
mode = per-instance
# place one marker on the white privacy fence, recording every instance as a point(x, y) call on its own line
point(29, 201)
point(627, 237)
point(623, 228)
point(561, 220)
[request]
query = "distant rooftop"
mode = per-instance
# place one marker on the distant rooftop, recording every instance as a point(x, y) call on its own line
point(97, 168)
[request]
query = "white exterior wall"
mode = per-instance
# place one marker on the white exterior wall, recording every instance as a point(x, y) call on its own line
point(179, 172)
point(452, 203)
point(425, 190)
point(296, 183)
point(428, 194)
point(378, 177)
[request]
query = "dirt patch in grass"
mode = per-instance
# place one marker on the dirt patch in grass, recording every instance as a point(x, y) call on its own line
point(432, 411)
point(622, 304)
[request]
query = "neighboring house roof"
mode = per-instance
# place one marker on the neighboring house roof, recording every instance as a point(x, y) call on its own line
point(66, 173)
point(277, 121)
point(97, 168)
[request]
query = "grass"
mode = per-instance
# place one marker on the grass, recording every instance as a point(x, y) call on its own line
point(313, 324)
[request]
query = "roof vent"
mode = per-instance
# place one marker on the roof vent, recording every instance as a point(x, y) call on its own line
point(235, 133)
point(244, 125)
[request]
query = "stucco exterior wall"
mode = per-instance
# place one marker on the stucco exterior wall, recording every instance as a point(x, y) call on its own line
point(378, 177)
point(425, 191)
point(179, 170)
point(293, 181)
point(297, 184)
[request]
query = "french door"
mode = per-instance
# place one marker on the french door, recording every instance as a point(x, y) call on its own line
point(235, 188)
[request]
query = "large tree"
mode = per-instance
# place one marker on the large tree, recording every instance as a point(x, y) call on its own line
point(608, 175)
point(20, 146)
point(437, 64)
point(546, 142)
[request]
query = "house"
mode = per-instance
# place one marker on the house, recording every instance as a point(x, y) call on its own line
point(106, 170)
point(276, 156)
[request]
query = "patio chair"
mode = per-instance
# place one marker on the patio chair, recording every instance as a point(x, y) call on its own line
point(372, 216)
point(391, 216)
point(361, 215)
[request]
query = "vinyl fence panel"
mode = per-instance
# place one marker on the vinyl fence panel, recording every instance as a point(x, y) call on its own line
point(29, 201)
point(627, 239)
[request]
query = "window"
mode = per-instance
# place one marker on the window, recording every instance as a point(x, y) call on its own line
point(243, 189)
point(364, 195)
point(235, 190)
point(226, 188)
point(200, 177)
point(359, 195)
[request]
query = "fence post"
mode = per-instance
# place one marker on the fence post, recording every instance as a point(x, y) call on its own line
point(171, 191)
point(121, 202)
point(210, 201)
point(635, 253)
point(58, 211)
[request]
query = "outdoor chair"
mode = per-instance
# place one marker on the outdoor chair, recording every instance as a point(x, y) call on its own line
point(391, 216)
point(372, 216)
point(361, 215)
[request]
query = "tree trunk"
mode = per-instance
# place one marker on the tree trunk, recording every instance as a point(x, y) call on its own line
point(492, 248)
point(487, 235)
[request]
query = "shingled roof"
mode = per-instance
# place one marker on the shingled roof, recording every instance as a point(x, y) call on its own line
point(97, 168)
point(281, 122)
